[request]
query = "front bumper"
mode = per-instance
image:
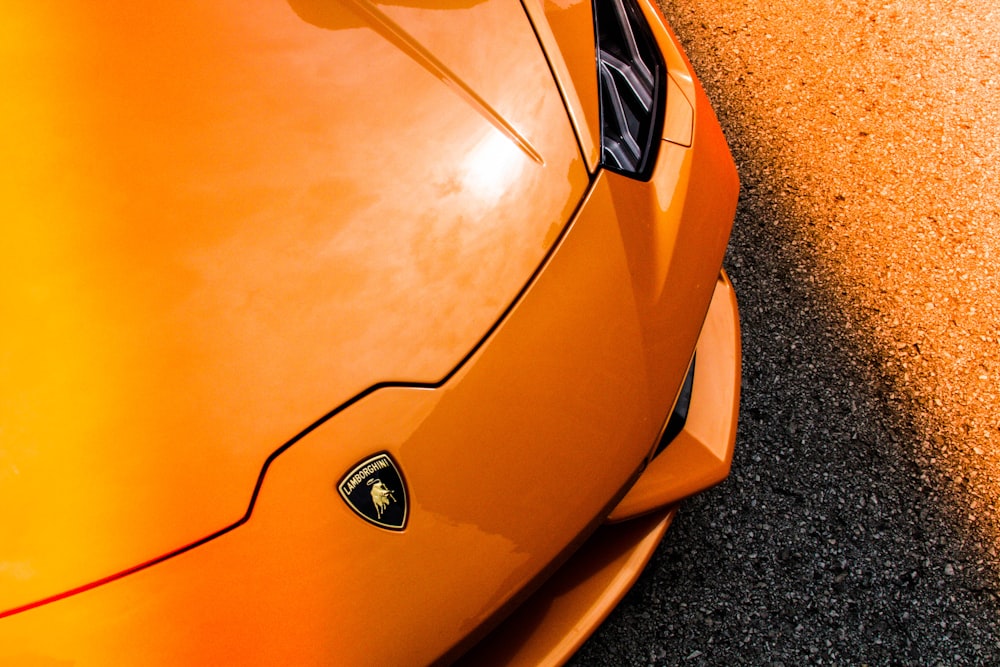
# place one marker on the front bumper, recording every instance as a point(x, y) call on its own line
point(552, 624)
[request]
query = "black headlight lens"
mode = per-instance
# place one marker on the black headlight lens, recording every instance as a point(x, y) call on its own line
point(631, 77)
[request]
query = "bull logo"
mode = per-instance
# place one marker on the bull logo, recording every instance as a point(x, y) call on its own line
point(381, 495)
point(375, 490)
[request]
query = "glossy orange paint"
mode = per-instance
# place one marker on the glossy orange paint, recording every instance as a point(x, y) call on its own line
point(551, 626)
point(208, 248)
point(547, 628)
point(514, 336)
point(262, 593)
point(562, 28)
point(700, 455)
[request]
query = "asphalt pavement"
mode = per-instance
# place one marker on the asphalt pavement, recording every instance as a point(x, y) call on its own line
point(860, 523)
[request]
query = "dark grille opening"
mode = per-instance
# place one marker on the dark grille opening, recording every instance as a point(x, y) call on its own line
point(679, 416)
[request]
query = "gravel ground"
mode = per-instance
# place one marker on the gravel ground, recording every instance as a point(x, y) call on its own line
point(860, 524)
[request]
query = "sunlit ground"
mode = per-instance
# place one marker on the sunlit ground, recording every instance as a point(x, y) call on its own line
point(879, 125)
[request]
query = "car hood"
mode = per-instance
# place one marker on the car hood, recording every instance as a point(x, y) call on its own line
point(224, 220)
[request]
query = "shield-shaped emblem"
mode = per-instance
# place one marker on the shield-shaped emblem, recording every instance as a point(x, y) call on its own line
point(375, 490)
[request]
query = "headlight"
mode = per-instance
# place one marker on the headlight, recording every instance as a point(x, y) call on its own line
point(631, 77)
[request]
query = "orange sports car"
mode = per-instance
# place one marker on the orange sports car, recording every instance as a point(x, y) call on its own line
point(343, 332)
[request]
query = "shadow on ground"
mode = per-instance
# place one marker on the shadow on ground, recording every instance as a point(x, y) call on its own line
point(835, 540)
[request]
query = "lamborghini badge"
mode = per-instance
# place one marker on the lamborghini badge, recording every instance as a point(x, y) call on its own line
point(375, 490)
